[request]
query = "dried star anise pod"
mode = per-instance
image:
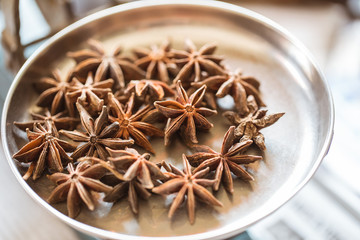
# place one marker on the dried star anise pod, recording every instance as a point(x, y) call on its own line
point(131, 124)
point(57, 121)
point(193, 62)
point(149, 90)
point(185, 109)
point(248, 127)
point(157, 61)
point(54, 91)
point(97, 137)
point(76, 186)
point(209, 96)
point(45, 149)
point(113, 64)
point(238, 86)
point(228, 160)
point(89, 94)
point(190, 184)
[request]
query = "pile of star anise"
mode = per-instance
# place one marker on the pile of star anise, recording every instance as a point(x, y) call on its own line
point(110, 101)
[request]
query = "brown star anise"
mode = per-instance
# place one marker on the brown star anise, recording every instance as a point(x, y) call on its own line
point(112, 64)
point(54, 91)
point(238, 86)
point(97, 137)
point(227, 161)
point(149, 90)
point(248, 127)
point(45, 149)
point(185, 109)
point(131, 124)
point(89, 94)
point(57, 121)
point(190, 184)
point(157, 61)
point(76, 186)
point(193, 62)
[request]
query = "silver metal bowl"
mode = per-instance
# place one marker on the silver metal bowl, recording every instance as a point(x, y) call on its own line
point(290, 80)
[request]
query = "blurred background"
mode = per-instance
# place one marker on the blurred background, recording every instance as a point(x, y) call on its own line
point(329, 205)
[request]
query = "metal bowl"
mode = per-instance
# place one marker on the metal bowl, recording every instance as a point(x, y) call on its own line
point(290, 80)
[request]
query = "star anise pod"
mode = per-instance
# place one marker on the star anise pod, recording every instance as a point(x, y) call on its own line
point(131, 124)
point(228, 160)
point(190, 184)
point(248, 127)
point(149, 90)
point(238, 86)
point(57, 121)
point(114, 64)
point(97, 137)
point(89, 94)
point(185, 110)
point(76, 186)
point(54, 91)
point(137, 166)
point(209, 96)
point(193, 62)
point(157, 61)
point(45, 149)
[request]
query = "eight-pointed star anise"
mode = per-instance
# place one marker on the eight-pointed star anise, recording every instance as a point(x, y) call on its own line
point(185, 110)
point(45, 149)
point(193, 62)
point(57, 121)
point(238, 86)
point(54, 91)
point(149, 90)
point(228, 160)
point(113, 64)
point(99, 135)
point(76, 186)
point(248, 127)
point(131, 124)
point(157, 61)
point(90, 94)
point(190, 184)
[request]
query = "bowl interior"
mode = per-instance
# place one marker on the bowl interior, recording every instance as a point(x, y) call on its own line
point(290, 83)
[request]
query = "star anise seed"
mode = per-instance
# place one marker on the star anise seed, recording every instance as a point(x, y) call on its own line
point(114, 64)
point(75, 186)
point(157, 61)
point(98, 136)
point(249, 127)
point(185, 111)
point(190, 184)
point(131, 124)
point(194, 62)
point(228, 160)
point(45, 149)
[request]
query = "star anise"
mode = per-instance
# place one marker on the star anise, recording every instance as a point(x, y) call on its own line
point(137, 166)
point(131, 124)
point(114, 64)
point(238, 86)
point(57, 121)
point(76, 186)
point(193, 62)
point(89, 94)
point(185, 110)
point(248, 127)
point(209, 96)
point(45, 149)
point(97, 137)
point(190, 184)
point(157, 61)
point(149, 90)
point(54, 91)
point(228, 160)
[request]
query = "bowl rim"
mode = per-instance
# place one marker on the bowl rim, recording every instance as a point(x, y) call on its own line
point(223, 231)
